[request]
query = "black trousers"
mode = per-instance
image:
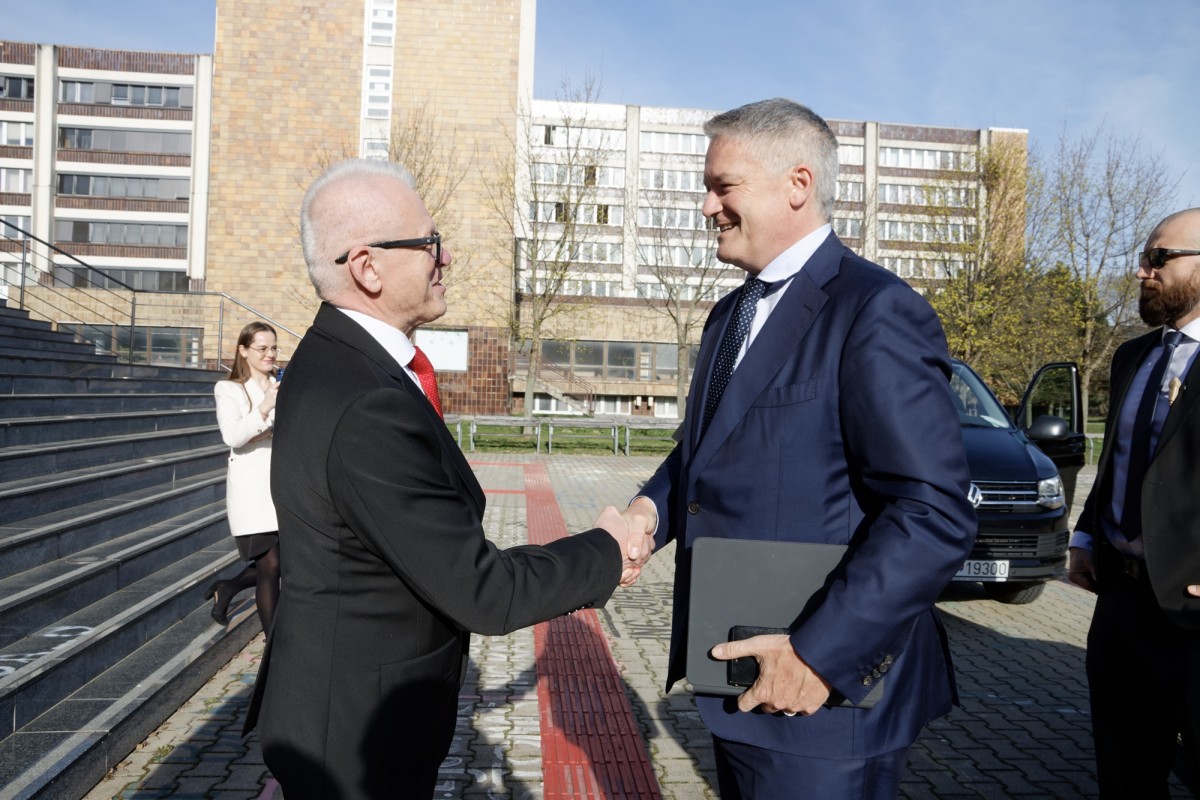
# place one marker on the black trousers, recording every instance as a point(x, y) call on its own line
point(1144, 680)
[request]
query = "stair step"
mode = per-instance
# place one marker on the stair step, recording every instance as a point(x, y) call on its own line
point(34, 431)
point(50, 491)
point(21, 406)
point(49, 342)
point(41, 384)
point(65, 751)
point(28, 543)
point(37, 597)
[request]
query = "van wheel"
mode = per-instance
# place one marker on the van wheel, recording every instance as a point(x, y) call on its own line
point(1016, 594)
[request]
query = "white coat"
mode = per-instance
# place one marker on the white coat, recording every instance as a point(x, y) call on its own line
point(248, 482)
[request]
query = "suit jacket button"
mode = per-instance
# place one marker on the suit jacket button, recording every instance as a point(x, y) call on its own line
point(693, 507)
point(867, 681)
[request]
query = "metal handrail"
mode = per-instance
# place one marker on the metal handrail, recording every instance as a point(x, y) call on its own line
point(94, 312)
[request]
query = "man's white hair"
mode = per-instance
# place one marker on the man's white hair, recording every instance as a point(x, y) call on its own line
point(323, 233)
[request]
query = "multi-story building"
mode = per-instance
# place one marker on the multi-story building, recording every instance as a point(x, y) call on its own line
point(576, 228)
point(621, 190)
point(103, 153)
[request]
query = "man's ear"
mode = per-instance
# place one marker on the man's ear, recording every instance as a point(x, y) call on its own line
point(801, 178)
point(364, 271)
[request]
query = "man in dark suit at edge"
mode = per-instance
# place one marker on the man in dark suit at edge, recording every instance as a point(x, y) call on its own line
point(836, 426)
point(387, 568)
point(1137, 543)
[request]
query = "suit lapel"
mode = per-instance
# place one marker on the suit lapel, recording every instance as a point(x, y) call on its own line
point(778, 341)
point(1182, 405)
point(337, 325)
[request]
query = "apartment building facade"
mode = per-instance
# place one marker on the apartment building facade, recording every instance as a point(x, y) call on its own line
point(184, 173)
point(103, 153)
point(621, 188)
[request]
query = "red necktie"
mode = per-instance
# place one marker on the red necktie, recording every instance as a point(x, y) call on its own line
point(424, 371)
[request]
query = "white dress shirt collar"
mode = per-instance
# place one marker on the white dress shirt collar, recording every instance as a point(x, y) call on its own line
point(792, 260)
point(391, 339)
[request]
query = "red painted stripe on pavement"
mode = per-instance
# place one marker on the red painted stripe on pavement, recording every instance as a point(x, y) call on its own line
point(591, 746)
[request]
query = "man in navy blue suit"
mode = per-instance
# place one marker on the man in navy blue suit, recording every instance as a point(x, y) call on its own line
point(836, 426)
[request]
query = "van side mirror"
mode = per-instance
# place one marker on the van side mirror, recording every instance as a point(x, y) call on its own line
point(1048, 428)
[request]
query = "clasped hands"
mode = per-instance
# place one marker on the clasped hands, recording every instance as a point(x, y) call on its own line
point(633, 529)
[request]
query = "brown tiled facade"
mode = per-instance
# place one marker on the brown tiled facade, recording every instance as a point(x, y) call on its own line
point(483, 388)
point(287, 98)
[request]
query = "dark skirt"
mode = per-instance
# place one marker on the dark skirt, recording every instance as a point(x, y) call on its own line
point(256, 544)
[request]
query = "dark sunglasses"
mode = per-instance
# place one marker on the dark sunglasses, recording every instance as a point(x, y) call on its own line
point(1157, 257)
point(424, 241)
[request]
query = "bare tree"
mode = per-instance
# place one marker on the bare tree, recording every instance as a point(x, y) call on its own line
point(561, 202)
point(975, 221)
point(1100, 196)
point(675, 248)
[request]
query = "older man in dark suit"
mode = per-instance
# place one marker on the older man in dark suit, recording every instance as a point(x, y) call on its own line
point(820, 411)
point(1137, 543)
point(385, 562)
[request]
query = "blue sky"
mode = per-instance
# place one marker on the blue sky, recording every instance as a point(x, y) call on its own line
point(1043, 65)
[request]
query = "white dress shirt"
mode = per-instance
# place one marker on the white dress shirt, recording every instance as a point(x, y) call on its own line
point(391, 339)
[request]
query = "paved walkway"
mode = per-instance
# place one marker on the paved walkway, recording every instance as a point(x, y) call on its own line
point(1022, 729)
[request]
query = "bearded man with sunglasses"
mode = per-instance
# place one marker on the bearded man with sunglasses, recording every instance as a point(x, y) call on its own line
point(386, 566)
point(1137, 544)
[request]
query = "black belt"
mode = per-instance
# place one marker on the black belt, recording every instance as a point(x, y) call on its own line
point(1124, 566)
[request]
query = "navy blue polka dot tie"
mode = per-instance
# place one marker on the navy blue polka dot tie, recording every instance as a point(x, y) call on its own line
point(743, 314)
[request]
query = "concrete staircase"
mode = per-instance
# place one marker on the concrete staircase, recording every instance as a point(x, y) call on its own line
point(112, 524)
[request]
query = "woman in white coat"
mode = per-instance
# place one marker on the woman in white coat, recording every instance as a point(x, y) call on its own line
point(246, 416)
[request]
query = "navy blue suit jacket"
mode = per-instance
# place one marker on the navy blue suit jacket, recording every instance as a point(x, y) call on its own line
point(837, 427)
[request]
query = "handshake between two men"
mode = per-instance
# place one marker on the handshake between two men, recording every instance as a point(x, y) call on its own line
point(633, 529)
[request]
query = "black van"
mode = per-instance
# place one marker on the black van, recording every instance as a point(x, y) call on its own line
point(1022, 479)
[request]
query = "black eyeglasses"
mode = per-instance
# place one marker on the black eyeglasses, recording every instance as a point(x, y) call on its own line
point(424, 241)
point(1157, 256)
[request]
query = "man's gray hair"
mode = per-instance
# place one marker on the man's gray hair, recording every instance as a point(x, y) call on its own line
point(782, 133)
point(333, 228)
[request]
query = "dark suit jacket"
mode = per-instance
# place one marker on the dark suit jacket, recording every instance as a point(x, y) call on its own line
point(1170, 495)
point(385, 570)
point(837, 427)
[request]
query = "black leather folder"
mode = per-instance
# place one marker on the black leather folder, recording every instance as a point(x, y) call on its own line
point(755, 584)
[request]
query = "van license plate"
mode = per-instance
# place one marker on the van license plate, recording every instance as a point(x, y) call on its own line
point(981, 570)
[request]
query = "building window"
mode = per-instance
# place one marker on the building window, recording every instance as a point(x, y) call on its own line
point(16, 180)
point(123, 186)
point(77, 92)
point(179, 346)
point(382, 23)
point(125, 141)
point(377, 99)
point(587, 175)
point(681, 143)
point(847, 227)
point(926, 158)
point(850, 191)
point(673, 180)
point(610, 404)
point(16, 226)
point(16, 88)
point(133, 94)
point(917, 195)
point(150, 280)
point(850, 154)
point(133, 233)
point(688, 219)
point(936, 232)
point(16, 133)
